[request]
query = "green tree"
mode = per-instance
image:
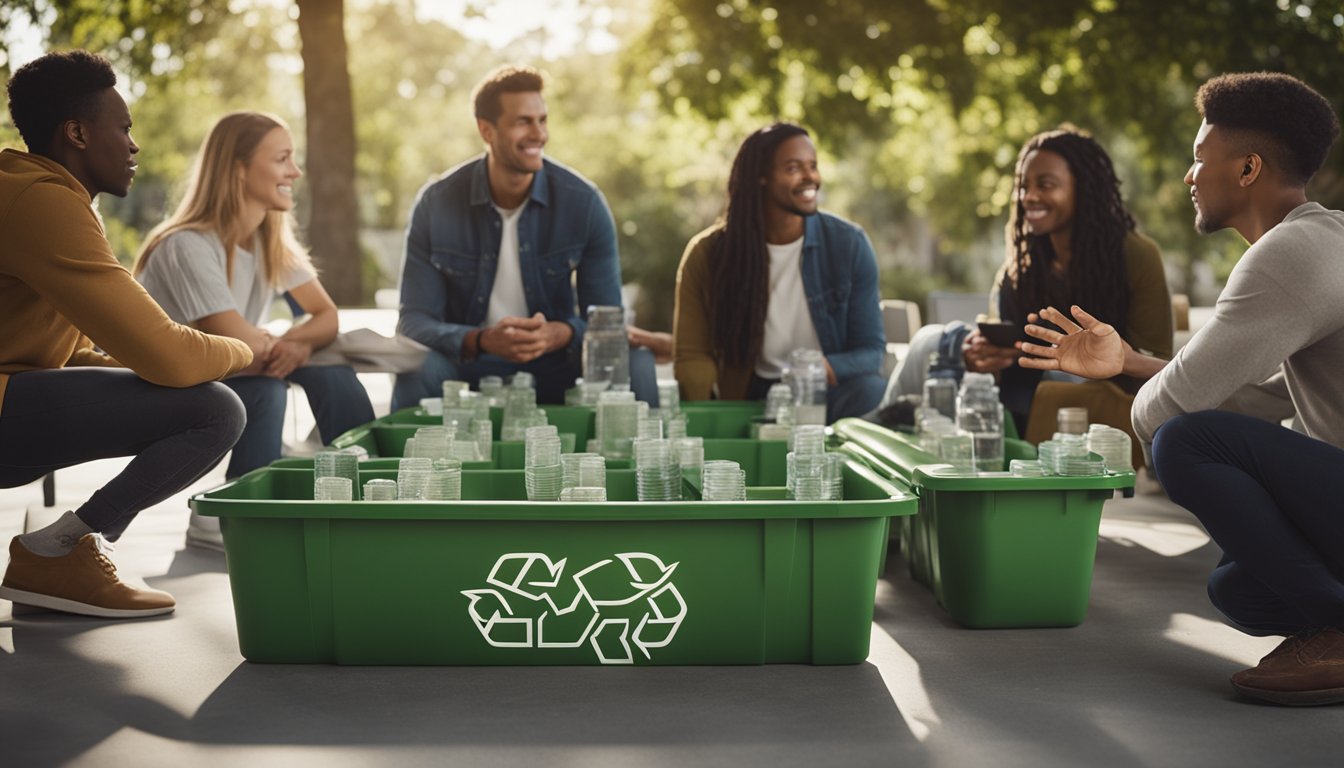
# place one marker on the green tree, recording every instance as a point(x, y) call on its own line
point(950, 90)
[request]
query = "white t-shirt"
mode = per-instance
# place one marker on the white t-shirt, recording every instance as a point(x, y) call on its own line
point(506, 295)
point(186, 275)
point(788, 322)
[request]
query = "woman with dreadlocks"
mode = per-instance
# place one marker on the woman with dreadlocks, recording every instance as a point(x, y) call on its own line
point(1071, 241)
point(773, 275)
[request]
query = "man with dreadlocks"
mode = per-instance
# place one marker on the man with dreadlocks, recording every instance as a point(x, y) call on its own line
point(1269, 496)
point(1071, 241)
point(774, 275)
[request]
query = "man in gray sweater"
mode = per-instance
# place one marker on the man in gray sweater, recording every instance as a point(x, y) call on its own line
point(1269, 496)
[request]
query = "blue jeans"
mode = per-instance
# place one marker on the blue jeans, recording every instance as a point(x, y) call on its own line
point(58, 418)
point(338, 400)
point(1270, 497)
point(854, 396)
point(554, 373)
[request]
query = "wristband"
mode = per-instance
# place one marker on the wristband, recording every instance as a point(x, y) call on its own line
point(479, 334)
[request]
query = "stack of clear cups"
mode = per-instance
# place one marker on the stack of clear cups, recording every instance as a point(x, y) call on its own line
point(835, 476)
point(583, 493)
point(380, 490)
point(336, 464)
point(724, 481)
point(1113, 445)
point(669, 396)
point(432, 443)
point(657, 475)
point(958, 449)
point(691, 458)
point(807, 438)
point(492, 389)
point(807, 476)
point(778, 397)
point(485, 440)
point(520, 407)
point(445, 481)
point(432, 406)
point(1054, 453)
point(412, 477)
point(617, 423)
point(650, 427)
point(332, 488)
point(931, 431)
point(571, 465)
point(1027, 468)
point(452, 392)
point(543, 474)
point(675, 425)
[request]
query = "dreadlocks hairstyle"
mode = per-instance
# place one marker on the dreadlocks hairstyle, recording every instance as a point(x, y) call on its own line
point(1279, 116)
point(1097, 277)
point(739, 263)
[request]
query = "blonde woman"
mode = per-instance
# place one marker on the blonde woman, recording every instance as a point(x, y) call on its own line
point(220, 261)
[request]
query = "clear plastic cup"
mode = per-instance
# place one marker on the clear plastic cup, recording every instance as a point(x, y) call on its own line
point(380, 490)
point(332, 488)
point(336, 464)
point(958, 449)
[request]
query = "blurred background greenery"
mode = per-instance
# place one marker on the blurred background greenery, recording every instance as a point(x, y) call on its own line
point(918, 107)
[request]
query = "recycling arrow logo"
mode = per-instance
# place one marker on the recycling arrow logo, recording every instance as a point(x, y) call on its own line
point(614, 604)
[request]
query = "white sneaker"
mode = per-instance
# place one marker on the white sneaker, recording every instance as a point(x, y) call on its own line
point(204, 532)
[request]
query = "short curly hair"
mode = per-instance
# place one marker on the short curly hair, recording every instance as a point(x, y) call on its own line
point(1292, 122)
point(59, 86)
point(510, 78)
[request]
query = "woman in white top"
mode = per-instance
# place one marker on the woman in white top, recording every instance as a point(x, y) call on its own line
point(223, 257)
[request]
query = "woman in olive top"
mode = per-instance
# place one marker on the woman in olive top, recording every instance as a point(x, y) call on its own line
point(73, 316)
point(1071, 241)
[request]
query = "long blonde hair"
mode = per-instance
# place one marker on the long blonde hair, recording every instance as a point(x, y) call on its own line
point(214, 199)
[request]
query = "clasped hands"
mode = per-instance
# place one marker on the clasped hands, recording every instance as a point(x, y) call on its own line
point(523, 339)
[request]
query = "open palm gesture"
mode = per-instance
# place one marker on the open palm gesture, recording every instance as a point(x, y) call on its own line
point(1092, 350)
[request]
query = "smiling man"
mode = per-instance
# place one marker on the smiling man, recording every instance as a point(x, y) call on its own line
point(1269, 496)
point(773, 275)
point(72, 316)
point(495, 251)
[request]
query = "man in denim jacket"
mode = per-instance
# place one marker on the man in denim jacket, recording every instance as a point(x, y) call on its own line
point(494, 251)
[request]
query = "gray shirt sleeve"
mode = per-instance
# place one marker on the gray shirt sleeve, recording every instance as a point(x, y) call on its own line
point(1257, 323)
point(185, 275)
point(297, 275)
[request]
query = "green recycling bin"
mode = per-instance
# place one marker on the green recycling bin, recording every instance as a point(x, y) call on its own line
point(497, 580)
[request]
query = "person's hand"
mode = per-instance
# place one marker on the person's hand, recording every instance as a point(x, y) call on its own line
point(1092, 350)
point(286, 355)
point(982, 357)
point(260, 353)
point(524, 339)
point(658, 342)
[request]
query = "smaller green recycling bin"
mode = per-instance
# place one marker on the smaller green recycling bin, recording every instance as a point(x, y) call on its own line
point(498, 580)
point(997, 551)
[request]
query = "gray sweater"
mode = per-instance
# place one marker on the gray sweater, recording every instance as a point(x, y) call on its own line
point(1278, 325)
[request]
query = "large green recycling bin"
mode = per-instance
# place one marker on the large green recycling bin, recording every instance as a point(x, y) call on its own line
point(495, 579)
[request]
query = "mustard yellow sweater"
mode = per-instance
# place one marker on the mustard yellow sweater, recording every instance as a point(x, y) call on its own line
point(62, 291)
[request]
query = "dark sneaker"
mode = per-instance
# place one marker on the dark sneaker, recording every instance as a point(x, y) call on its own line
point(83, 581)
point(1306, 670)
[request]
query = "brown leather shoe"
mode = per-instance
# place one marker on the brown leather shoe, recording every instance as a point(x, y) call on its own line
point(83, 581)
point(1306, 670)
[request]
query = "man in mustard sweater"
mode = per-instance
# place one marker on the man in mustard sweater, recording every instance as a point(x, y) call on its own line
point(74, 320)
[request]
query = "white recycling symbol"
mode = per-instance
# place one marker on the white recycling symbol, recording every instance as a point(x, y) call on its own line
point(597, 605)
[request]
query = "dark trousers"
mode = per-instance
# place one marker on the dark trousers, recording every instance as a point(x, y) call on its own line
point(54, 419)
point(339, 402)
point(1273, 500)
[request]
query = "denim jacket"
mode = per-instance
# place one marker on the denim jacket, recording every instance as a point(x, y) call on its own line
point(452, 253)
point(840, 280)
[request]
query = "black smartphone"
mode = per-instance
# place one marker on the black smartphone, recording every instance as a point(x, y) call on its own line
point(1003, 334)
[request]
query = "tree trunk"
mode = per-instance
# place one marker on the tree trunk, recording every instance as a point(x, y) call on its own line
point(333, 221)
